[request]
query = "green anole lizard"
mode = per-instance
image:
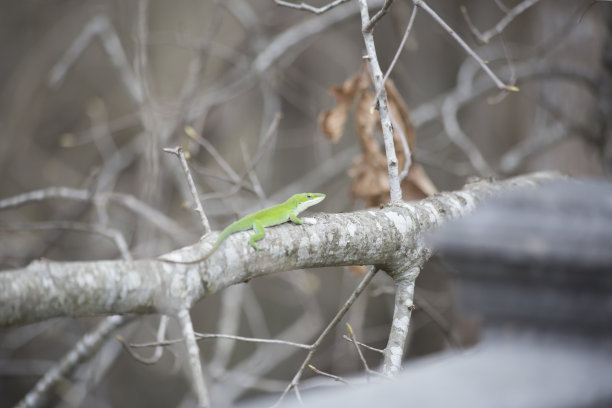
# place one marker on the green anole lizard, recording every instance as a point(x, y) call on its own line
point(258, 221)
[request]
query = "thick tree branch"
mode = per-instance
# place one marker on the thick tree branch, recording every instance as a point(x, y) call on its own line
point(390, 238)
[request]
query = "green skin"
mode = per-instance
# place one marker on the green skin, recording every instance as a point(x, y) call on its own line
point(268, 217)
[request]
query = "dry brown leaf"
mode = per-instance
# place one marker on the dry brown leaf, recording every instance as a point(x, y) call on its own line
point(369, 171)
point(417, 184)
point(358, 270)
point(333, 121)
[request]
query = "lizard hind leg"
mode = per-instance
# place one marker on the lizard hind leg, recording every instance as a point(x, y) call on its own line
point(259, 234)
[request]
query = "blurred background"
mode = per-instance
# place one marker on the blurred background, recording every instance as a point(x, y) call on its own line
point(93, 91)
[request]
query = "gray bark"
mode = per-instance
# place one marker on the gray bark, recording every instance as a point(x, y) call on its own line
point(390, 238)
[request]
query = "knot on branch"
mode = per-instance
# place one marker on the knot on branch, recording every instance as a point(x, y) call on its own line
point(408, 272)
point(404, 274)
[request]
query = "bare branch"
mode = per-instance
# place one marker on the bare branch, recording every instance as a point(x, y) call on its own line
point(380, 14)
point(132, 203)
point(399, 50)
point(502, 24)
point(253, 340)
point(98, 26)
point(193, 352)
point(382, 103)
point(308, 7)
point(191, 132)
point(502, 6)
point(248, 163)
point(82, 351)
point(159, 350)
point(265, 143)
point(141, 58)
point(353, 340)
point(298, 33)
point(347, 338)
point(267, 357)
point(347, 305)
point(460, 139)
point(328, 375)
point(464, 45)
point(407, 152)
point(178, 151)
point(112, 234)
point(206, 336)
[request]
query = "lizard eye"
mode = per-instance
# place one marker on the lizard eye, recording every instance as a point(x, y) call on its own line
point(308, 196)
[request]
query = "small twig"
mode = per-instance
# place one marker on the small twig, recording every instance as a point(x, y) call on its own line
point(222, 194)
point(466, 47)
point(460, 139)
point(128, 201)
point(361, 357)
point(252, 175)
point(141, 56)
point(430, 111)
point(178, 151)
point(399, 51)
point(156, 217)
point(159, 350)
point(502, 24)
point(298, 395)
point(114, 235)
point(189, 88)
point(297, 34)
point(512, 79)
point(264, 144)
point(308, 7)
point(266, 357)
point(254, 314)
point(204, 336)
point(191, 132)
point(437, 319)
point(407, 152)
point(475, 31)
point(252, 340)
point(450, 121)
point(347, 305)
point(380, 14)
point(197, 376)
point(229, 322)
point(328, 375)
point(99, 26)
point(221, 177)
point(345, 337)
point(100, 130)
point(501, 6)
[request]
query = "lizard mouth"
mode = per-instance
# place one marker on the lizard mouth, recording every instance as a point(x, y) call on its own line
point(316, 200)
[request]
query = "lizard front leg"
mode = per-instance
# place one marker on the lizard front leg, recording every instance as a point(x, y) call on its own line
point(295, 219)
point(260, 232)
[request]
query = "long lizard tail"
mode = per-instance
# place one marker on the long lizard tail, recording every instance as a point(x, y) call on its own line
point(224, 234)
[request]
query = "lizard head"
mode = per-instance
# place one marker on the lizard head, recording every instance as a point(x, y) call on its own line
point(304, 200)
